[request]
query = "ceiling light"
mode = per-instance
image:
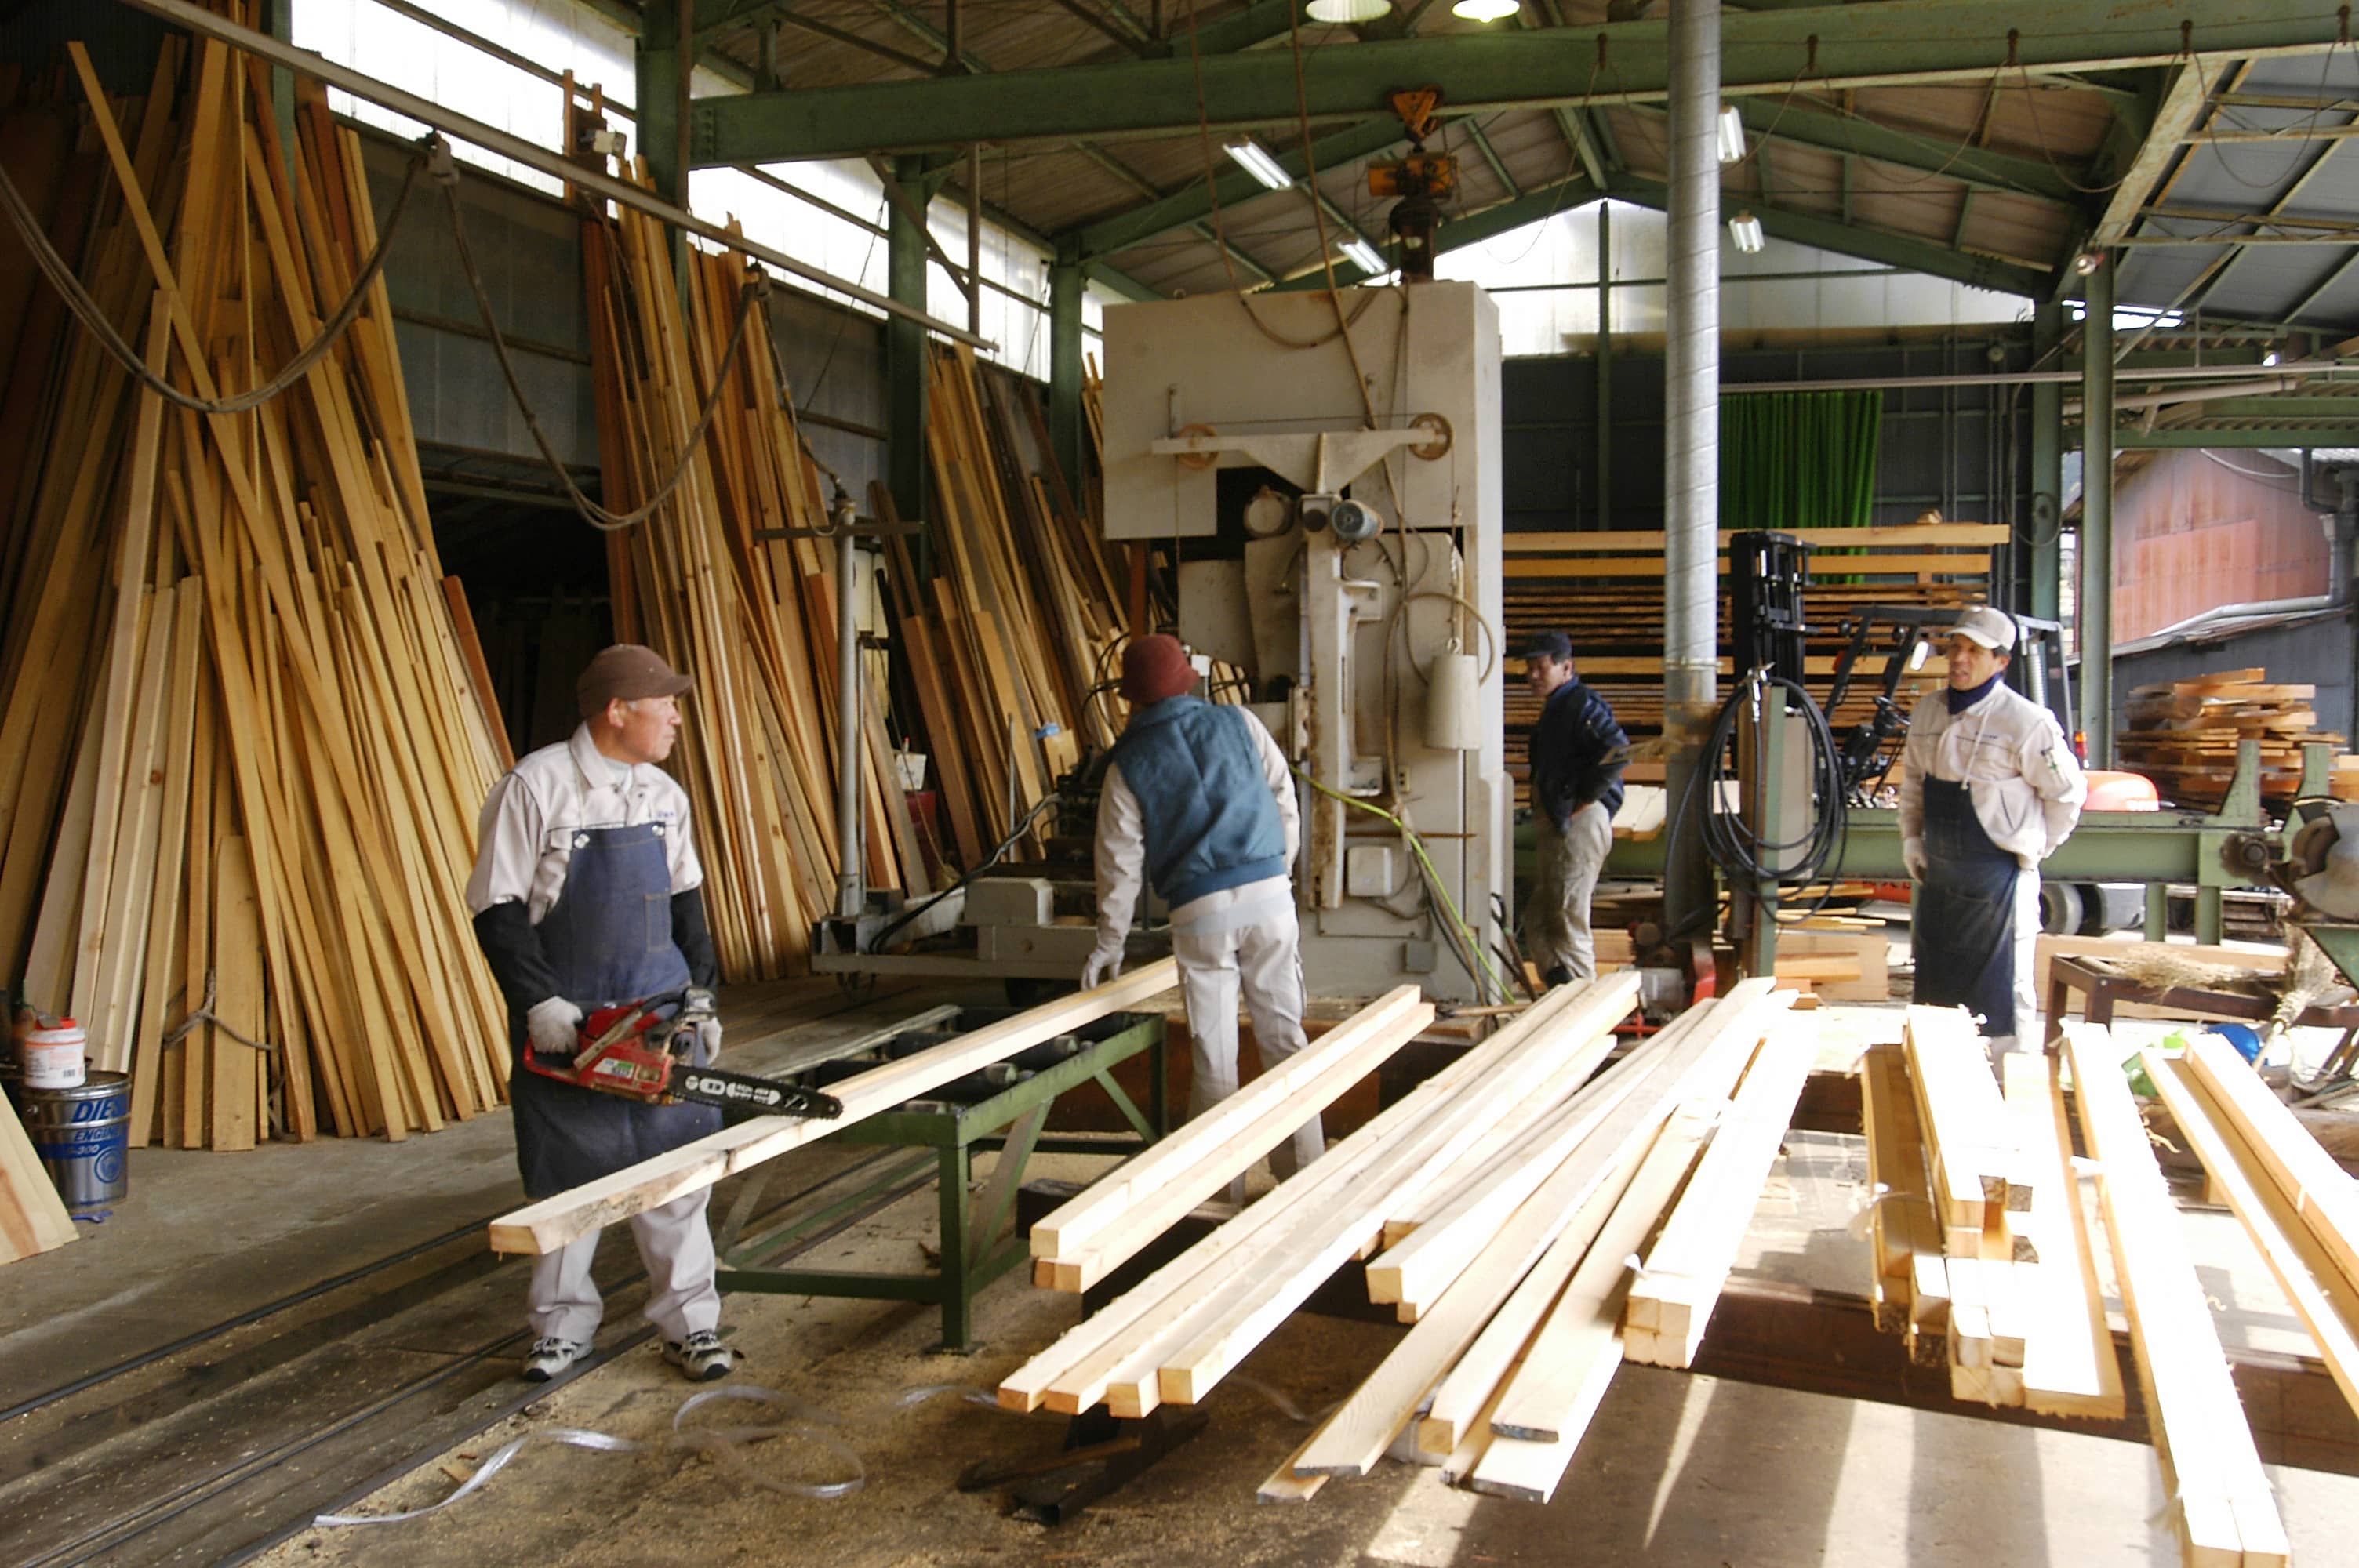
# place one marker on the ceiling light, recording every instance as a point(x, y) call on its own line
point(1364, 257)
point(1346, 10)
point(2088, 262)
point(1485, 10)
point(1255, 160)
point(2270, 358)
point(1745, 230)
point(1732, 134)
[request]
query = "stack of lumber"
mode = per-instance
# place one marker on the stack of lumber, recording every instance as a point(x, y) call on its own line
point(1010, 642)
point(752, 618)
point(2223, 1506)
point(544, 1226)
point(1503, 1199)
point(2184, 735)
point(1604, 591)
point(1982, 1250)
point(245, 746)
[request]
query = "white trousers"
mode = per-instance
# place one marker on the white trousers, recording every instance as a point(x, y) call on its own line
point(675, 1244)
point(2028, 1035)
point(1263, 961)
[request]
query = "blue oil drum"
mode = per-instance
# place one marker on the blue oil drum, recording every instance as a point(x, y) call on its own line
point(82, 1136)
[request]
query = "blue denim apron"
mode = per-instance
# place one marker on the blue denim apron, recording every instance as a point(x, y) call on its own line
point(608, 937)
point(1963, 932)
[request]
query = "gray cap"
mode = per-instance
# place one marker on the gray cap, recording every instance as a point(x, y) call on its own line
point(1988, 627)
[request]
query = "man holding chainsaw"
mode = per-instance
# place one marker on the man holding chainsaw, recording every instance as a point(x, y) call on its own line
point(1199, 802)
point(586, 892)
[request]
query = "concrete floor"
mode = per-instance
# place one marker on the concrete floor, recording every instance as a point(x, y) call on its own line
point(1676, 1469)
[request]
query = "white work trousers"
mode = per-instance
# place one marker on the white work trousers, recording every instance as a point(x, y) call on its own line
point(2028, 1035)
point(1556, 917)
point(1265, 961)
point(675, 1244)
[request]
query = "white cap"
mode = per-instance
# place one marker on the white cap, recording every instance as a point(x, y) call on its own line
point(1988, 627)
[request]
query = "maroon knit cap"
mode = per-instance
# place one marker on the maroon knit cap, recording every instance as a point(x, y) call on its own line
point(1154, 668)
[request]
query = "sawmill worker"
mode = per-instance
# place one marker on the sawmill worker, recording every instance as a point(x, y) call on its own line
point(1990, 788)
point(1198, 801)
point(1577, 754)
point(587, 892)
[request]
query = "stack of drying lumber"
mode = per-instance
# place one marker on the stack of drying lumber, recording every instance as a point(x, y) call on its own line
point(1604, 591)
point(2184, 735)
point(2224, 1509)
point(1505, 1195)
point(1982, 1250)
point(752, 618)
point(544, 1226)
point(1011, 643)
point(246, 750)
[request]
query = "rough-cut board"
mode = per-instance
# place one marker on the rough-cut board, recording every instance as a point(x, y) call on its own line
point(1142, 1197)
point(1902, 1225)
point(1663, 1322)
point(2069, 1366)
point(1964, 1119)
point(2322, 1192)
point(544, 1226)
point(2322, 1295)
point(2226, 1513)
point(32, 1217)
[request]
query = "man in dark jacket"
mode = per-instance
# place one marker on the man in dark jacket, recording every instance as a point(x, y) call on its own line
point(1577, 755)
point(587, 892)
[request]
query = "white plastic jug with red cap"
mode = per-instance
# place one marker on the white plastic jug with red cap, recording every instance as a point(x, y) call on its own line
point(56, 1056)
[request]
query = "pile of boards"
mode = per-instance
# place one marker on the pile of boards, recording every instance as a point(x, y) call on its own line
point(1503, 1200)
point(245, 746)
point(2185, 735)
point(1604, 591)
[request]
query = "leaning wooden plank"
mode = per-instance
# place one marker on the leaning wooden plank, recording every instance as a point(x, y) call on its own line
point(32, 1217)
point(544, 1227)
point(1286, 1485)
point(2069, 1367)
point(1680, 1282)
point(1190, 1164)
point(1217, 1333)
point(1072, 1374)
point(2328, 1302)
point(2322, 1192)
point(1574, 1200)
point(2226, 1511)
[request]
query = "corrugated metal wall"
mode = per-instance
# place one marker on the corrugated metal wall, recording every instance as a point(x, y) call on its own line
point(2195, 530)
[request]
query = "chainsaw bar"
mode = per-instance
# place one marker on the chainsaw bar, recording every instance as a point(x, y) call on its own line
point(709, 1086)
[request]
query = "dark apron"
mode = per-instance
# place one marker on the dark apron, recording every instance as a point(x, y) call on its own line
point(608, 937)
point(1963, 931)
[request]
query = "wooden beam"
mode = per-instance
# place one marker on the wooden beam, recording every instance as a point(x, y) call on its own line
point(2069, 1366)
point(543, 1227)
point(2325, 1196)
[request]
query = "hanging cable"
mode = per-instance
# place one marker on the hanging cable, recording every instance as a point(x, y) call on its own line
point(86, 309)
point(1747, 855)
point(998, 853)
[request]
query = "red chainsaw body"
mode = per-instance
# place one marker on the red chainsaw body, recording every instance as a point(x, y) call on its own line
point(628, 1049)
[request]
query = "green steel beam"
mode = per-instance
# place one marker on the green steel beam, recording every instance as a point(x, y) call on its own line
point(1500, 218)
point(2047, 520)
point(2278, 436)
point(906, 370)
point(1191, 205)
point(1491, 157)
point(1869, 245)
point(2092, 602)
point(1977, 168)
point(1892, 42)
point(1065, 423)
point(1239, 30)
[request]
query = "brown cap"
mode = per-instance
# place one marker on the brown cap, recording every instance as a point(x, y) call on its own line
point(627, 671)
point(1154, 668)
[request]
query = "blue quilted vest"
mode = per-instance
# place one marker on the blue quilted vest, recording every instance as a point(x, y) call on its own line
point(1211, 822)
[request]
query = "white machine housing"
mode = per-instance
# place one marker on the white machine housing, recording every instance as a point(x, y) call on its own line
point(1405, 715)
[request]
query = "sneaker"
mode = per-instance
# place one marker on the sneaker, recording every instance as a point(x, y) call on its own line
point(549, 1355)
point(701, 1357)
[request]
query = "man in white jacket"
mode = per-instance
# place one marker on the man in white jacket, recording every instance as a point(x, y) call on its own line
point(1991, 788)
point(1199, 802)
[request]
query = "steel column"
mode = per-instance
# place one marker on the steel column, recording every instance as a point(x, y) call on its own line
point(906, 367)
point(1691, 446)
point(2045, 526)
point(1604, 364)
point(2094, 607)
point(1066, 282)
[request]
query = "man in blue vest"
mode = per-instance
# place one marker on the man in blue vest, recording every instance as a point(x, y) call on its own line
point(587, 892)
point(1198, 801)
point(1577, 753)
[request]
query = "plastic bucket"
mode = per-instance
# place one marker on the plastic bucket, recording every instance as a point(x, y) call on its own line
point(54, 1058)
point(83, 1135)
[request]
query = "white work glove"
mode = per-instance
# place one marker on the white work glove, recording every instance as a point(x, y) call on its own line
point(1105, 965)
point(1912, 855)
point(708, 1035)
point(554, 1027)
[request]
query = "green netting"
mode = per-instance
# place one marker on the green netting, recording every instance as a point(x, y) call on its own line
point(1799, 459)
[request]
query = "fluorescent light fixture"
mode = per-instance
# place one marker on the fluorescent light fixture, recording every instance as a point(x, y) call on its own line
point(1745, 230)
point(1485, 10)
point(2270, 358)
point(1346, 10)
point(1732, 134)
point(2088, 262)
point(1255, 160)
point(1364, 257)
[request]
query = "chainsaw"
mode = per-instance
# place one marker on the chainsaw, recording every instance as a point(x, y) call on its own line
point(640, 1050)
